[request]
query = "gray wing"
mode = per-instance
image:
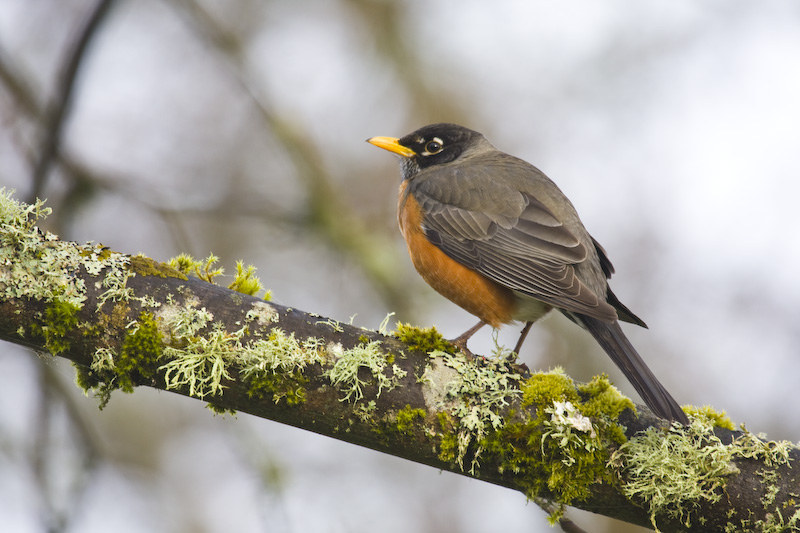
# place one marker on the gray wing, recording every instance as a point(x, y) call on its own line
point(500, 229)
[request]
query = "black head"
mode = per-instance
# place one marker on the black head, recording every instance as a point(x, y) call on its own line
point(439, 143)
point(435, 144)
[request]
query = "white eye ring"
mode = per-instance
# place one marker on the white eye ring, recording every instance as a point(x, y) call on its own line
point(433, 147)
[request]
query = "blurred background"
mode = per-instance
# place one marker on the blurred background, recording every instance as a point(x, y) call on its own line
point(238, 128)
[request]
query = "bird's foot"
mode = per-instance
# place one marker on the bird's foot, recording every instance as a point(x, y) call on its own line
point(460, 342)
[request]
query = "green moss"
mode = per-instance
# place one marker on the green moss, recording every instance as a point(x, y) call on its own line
point(246, 280)
point(219, 410)
point(717, 419)
point(185, 264)
point(137, 361)
point(144, 266)
point(602, 400)
point(558, 453)
point(406, 418)
point(204, 269)
point(275, 386)
point(140, 352)
point(543, 388)
point(423, 339)
point(561, 449)
point(448, 443)
point(85, 379)
point(401, 423)
point(59, 318)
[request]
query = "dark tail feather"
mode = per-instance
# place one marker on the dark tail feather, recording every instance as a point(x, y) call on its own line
point(625, 356)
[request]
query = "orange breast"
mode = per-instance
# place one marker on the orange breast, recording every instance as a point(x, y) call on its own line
point(489, 301)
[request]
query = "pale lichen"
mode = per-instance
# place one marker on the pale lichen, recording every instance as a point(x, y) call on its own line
point(673, 472)
point(473, 396)
point(335, 325)
point(181, 323)
point(344, 374)
point(263, 314)
point(366, 411)
point(274, 366)
point(573, 432)
point(103, 360)
point(37, 265)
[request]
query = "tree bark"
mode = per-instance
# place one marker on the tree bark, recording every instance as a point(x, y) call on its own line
point(128, 321)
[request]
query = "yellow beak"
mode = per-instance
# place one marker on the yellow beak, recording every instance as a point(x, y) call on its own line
point(393, 145)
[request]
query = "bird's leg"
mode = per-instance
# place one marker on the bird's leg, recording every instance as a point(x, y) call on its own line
point(461, 341)
point(522, 336)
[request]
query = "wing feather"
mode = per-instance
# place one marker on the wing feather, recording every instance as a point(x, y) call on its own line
point(509, 236)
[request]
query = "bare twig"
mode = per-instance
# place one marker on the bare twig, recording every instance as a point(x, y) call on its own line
point(54, 120)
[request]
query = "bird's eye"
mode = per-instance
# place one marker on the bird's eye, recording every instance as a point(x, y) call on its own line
point(434, 147)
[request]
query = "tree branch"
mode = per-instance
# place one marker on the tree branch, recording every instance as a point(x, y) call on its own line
point(127, 321)
point(54, 123)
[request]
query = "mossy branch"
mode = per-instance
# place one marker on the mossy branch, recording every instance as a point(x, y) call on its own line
point(127, 321)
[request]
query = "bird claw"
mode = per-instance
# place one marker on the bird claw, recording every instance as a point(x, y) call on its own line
point(461, 344)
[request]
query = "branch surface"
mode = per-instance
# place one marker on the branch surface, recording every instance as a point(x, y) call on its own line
point(128, 321)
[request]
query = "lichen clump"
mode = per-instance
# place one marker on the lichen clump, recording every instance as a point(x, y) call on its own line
point(473, 394)
point(38, 265)
point(673, 472)
point(561, 449)
point(345, 372)
point(275, 367)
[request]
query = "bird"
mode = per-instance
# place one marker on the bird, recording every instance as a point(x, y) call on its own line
point(494, 235)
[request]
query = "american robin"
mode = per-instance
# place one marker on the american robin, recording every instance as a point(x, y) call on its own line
point(494, 235)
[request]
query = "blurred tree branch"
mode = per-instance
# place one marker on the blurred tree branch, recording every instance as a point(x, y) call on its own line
point(384, 22)
point(326, 215)
point(54, 122)
point(127, 321)
point(326, 212)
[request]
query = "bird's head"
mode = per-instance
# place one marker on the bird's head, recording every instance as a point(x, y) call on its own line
point(436, 144)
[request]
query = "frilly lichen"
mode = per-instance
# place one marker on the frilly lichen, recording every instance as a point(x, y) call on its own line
point(473, 396)
point(344, 374)
point(37, 265)
point(672, 472)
